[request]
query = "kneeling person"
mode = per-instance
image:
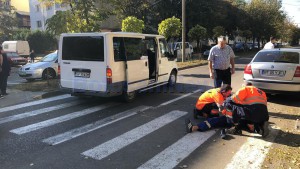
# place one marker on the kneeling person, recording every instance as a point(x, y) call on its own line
point(210, 102)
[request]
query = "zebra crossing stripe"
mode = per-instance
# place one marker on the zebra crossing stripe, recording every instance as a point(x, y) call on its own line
point(94, 126)
point(37, 112)
point(111, 146)
point(253, 152)
point(174, 154)
point(50, 122)
point(178, 98)
point(14, 107)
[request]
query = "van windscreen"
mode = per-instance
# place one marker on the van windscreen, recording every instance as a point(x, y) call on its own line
point(83, 48)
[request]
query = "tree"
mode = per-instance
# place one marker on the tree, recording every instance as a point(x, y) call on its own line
point(20, 34)
point(197, 33)
point(59, 23)
point(218, 31)
point(170, 28)
point(41, 41)
point(8, 22)
point(86, 16)
point(132, 24)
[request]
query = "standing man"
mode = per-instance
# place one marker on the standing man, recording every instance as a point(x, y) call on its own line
point(221, 56)
point(32, 56)
point(5, 66)
point(270, 45)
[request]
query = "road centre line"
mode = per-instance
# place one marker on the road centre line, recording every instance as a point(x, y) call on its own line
point(114, 145)
point(252, 154)
point(38, 112)
point(50, 122)
point(174, 154)
point(94, 126)
point(14, 107)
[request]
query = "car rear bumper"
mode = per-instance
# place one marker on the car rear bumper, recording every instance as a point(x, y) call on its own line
point(275, 86)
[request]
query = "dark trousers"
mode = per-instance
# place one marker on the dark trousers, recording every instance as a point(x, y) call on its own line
point(222, 76)
point(216, 122)
point(207, 110)
point(3, 83)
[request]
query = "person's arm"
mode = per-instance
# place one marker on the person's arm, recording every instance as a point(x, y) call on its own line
point(232, 56)
point(211, 73)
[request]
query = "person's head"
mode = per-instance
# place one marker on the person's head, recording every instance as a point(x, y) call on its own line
point(226, 90)
point(221, 41)
point(272, 39)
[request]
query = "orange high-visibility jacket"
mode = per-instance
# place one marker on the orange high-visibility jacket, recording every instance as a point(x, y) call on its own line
point(249, 95)
point(210, 96)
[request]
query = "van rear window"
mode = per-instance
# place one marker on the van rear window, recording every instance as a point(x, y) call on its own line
point(84, 48)
point(277, 56)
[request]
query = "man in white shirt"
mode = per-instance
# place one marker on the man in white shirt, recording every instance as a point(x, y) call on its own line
point(270, 45)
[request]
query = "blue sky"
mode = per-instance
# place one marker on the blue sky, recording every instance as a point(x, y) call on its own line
point(292, 8)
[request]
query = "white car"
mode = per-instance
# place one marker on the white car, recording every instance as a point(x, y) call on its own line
point(47, 67)
point(275, 70)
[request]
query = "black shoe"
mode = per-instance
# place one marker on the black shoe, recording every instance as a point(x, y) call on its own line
point(223, 134)
point(188, 125)
point(264, 129)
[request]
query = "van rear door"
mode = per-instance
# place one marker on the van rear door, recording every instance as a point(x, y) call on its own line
point(137, 70)
point(82, 63)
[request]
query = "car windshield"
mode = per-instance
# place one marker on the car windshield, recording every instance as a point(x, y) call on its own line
point(49, 58)
point(12, 55)
point(277, 56)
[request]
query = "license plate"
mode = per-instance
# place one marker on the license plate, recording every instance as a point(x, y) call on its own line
point(279, 73)
point(82, 74)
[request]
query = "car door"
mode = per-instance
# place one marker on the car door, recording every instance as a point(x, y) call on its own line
point(137, 71)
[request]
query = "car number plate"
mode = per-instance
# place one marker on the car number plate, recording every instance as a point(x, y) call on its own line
point(82, 74)
point(279, 73)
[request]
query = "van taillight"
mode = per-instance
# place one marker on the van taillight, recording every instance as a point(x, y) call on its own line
point(109, 75)
point(297, 72)
point(248, 69)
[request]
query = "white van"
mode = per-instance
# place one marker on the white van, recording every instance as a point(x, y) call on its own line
point(20, 47)
point(114, 63)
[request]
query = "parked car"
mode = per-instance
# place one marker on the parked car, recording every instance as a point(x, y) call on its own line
point(250, 46)
point(47, 67)
point(275, 70)
point(206, 53)
point(177, 46)
point(239, 47)
point(15, 59)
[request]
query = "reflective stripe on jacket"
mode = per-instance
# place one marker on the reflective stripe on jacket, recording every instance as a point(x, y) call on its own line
point(210, 96)
point(249, 95)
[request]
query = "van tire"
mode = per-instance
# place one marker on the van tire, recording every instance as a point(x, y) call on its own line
point(129, 97)
point(172, 79)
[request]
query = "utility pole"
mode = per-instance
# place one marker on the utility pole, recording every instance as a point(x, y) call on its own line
point(183, 31)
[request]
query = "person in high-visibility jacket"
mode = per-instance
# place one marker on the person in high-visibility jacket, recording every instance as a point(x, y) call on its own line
point(210, 102)
point(249, 105)
point(247, 110)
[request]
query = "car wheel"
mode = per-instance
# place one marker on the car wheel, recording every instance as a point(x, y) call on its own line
point(172, 79)
point(48, 73)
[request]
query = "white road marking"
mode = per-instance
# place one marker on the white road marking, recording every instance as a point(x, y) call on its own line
point(178, 151)
point(178, 98)
point(43, 124)
point(253, 153)
point(14, 107)
point(94, 126)
point(37, 112)
point(111, 146)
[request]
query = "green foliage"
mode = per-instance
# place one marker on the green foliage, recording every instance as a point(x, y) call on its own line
point(197, 33)
point(170, 28)
point(218, 31)
point(20, 34)
point(42, 41)
point(7, 22)
point(132, 24)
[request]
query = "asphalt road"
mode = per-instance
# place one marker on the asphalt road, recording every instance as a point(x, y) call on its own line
point(69, 132)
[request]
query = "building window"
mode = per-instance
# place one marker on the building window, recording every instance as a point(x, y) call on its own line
point(39, 24)
point(49, 8)
point(37, 7)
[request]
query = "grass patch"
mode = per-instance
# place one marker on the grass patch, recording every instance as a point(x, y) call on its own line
point(191, 63)
point(38, 85)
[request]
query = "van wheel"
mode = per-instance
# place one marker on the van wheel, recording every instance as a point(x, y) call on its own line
point(129, 97)
point(172, 79)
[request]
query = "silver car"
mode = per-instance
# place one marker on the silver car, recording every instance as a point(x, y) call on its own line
point(275, 70)
point(47, 67)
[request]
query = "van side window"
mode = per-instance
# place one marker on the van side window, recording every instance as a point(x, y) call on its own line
point(133, 48)
point(163, 47)
point(119, 49)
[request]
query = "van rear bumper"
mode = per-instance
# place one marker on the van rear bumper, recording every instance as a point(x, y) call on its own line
point(115, 89)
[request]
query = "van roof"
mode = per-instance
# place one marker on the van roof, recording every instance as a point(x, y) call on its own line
point(110, 33)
